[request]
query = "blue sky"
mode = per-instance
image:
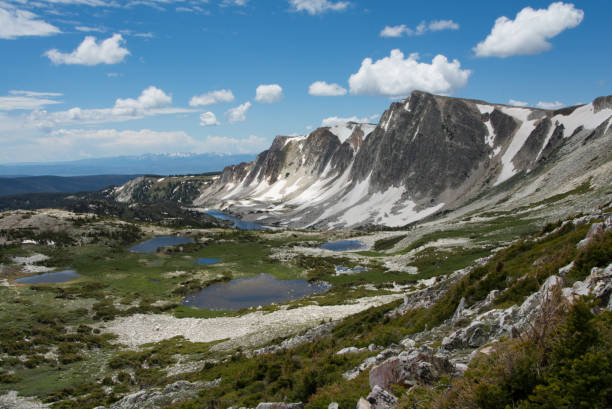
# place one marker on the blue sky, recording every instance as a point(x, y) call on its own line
point(93, 78)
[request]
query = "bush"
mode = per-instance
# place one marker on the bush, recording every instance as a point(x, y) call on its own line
point(9, 378)
point(565, 361)
point(598, 253)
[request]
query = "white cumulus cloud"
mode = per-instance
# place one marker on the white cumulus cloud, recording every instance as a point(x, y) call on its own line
point(313, 7)
point(212, 97)
point(323, 89)
point(516, 103)
point(150, 98)
point(422, 28)
point(550, 105)
point(396, 76)
point(209, 119)
point(18, 23)
point(529, 32)
point(90, 52)
point(238, 114)
point(269, 93)
point(335, 120)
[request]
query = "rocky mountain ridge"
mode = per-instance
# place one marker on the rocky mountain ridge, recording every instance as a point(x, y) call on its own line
point(428, 154)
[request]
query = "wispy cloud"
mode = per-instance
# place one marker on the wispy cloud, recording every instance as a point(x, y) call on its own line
point(422, 28)
point(516, 103)
point(314, 7)
point(212, 97)
point(550, 105)
point(16, 23)
point(151, 102)
point(27, 100)
point(335, 120)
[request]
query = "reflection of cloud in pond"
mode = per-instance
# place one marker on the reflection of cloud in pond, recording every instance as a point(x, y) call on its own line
point(46, 278)
point(151, 246)
point(239, 224)
point(340, 270)
point(250, 292)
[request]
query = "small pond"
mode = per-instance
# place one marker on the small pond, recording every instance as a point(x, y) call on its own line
point(340, 270)
point(343, 245)
point(208, 260)
point(46, 278)
point(151, 246)
point(262, 289)
point(239, 224)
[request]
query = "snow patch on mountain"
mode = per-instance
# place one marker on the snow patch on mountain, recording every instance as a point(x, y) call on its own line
point(345, 130)
point(584, 116)
point(519, 139)
point(485, 109)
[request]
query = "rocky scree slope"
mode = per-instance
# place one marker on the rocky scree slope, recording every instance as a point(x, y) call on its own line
point(428, 154)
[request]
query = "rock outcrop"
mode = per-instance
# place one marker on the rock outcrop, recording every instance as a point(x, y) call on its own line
point(159, 398)
point(420, 365)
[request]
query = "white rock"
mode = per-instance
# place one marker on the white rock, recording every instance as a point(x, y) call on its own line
point(408, 343)
point(363, 404)
point(566, 269)
point(350, 350)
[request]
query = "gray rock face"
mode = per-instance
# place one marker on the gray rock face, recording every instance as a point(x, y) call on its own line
point(504, 126)
point(428, 153)
point(401, 149)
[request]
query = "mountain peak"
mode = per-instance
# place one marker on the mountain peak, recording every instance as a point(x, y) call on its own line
point(428, 153)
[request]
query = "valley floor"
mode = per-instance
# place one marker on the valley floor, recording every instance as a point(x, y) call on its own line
point(404, 315)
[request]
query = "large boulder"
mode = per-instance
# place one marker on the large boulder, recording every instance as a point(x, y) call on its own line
point(381, 399)
point(417, 366)
point(598, 284)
